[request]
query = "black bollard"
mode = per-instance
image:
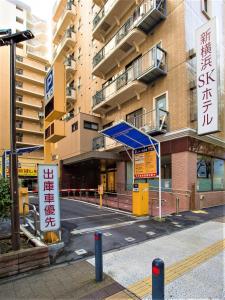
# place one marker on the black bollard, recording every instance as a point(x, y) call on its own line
point(158, 279)
point(98, 257)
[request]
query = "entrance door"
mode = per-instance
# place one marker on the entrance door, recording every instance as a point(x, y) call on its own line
point(161, 111)
point(111, 181)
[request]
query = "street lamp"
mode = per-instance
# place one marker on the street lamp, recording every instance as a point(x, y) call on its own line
point(9, 39)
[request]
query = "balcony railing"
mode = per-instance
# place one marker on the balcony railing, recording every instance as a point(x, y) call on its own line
point(69, 33)
point(148, 67)
point(140, 14)
point(155, 121)
point(69, 7)
point(103, 12)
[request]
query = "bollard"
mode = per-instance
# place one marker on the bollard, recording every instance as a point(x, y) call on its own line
point(157, 279)
point(98, 257)
point(177, 205)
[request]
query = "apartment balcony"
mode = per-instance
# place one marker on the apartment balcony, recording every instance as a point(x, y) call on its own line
point(21, 90)
point(55, 131)
point(71, 95)
point(65, 20)
point(67, 43)
point(29, 79)
point(22, 143)
point(70, 66)
point(28, 104)
point(129, 36)
point(22, 63)
point(21, 116)
point(132, 82)
point(153, 122)
point(109, 16)
point(31, 131)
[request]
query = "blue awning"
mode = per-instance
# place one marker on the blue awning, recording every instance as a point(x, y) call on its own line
point(129, 135)
point(24, 150)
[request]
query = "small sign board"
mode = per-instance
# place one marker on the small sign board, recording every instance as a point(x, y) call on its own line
point(49, 86)
point(146, 162)
point(48, 190)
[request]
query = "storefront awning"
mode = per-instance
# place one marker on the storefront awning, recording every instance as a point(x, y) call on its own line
point(129, 135)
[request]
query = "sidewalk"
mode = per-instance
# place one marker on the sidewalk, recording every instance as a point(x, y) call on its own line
point(71, 281)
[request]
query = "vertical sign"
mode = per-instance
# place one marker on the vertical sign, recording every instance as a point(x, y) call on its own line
point(207, 78)
point(145, 162)
point(49, 86)
point(48, 197)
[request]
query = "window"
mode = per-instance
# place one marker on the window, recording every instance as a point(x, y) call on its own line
point(90, 125)
point(19, 124)
point(19, 84)
point(19, 98)
point(79, 83)
point(75, 126)
point(19, 71)
point(210, 174)
point(135, 118)
point(19, 137)
point(19, 58)
point(19, 111)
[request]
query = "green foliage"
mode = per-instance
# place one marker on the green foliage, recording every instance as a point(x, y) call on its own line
point(5, 199)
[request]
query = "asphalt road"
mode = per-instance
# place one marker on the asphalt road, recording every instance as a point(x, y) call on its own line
point(80, 220)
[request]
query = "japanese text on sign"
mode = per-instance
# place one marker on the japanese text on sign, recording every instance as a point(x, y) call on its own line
point(145, 163)
point(207, 81)
point(48, 197)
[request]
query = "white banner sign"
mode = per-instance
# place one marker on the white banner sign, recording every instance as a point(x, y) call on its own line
point(48, 191)
point(207, 78)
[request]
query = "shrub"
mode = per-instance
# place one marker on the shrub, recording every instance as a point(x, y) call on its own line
point(5, 199)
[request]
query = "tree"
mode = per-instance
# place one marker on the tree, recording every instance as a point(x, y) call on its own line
point(5, 199)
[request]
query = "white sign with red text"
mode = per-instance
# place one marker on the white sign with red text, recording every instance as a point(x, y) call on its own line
point(207, 78)
point(48, 190)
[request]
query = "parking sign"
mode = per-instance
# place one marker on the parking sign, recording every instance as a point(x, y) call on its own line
point(49, 86)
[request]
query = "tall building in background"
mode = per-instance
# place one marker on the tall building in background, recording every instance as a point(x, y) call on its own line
point(31, 66)
point(136, 61)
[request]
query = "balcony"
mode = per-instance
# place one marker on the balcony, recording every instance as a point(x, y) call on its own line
point(109, 16)
point(70, 66)
point(21, 90)
point(20, 142)
point(70, 94)
point(20, 62)
point(23, 130)
point(21, 116)
point(132, 82)
point(29, 79)
point(27, 104)
point(66, 19)
point(152, 122)
point(129, 36)
point(55, 131)
point(103, 143)
point(67, 43)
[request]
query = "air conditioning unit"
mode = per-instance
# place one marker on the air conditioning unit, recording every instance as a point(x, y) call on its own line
point(146, 128)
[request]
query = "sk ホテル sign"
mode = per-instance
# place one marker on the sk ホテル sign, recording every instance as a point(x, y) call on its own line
point(207, 78)
point(48, 197)
point(145, 162)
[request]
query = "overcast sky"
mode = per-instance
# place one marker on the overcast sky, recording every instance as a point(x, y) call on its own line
point(41, 8)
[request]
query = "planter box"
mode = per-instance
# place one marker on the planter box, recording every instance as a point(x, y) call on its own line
point(24, 260)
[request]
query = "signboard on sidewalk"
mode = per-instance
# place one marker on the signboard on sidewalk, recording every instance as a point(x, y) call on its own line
point(145, 163)
point(48, 190)
point(207, 78)
point(49, 86)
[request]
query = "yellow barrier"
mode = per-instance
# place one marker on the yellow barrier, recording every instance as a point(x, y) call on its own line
point(23, 198)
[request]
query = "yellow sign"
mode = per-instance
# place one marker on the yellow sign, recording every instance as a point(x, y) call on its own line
point(145, 163)
point(32, 172)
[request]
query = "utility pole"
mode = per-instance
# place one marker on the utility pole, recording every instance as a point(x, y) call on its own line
point(11, 40)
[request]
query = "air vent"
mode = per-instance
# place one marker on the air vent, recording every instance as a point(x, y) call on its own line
point(105, 26)
point(126, 47)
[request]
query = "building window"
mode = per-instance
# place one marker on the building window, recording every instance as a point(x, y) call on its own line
point(19, 71)
point(79, 83)
point(19, 58)
point(19, 111)
point(19, 98)
point(19, 84)
point(90, 125)
point(135, 118)
point(210, 174)
point(19, 137)
point(19, 124)
point(75, 126)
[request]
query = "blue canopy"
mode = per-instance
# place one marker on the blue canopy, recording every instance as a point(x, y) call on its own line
point(24, 150)
point(129, 135)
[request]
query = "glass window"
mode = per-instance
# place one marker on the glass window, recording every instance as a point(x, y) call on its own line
point(75, 126)
point(204, 176)
point(90, 125)
point(135, 118)
point(218, 174)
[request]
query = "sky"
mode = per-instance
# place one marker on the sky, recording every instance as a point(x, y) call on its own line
point(41, 8)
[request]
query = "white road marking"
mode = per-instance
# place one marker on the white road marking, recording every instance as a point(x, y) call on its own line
point(107, 234)
point(91, 216)
point(129, 239)
point(80, 252)
point(150, 232)
point(92, 229)
point(142, 226)
point(177, 225)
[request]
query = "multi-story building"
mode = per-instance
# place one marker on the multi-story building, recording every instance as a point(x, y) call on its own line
point(31, 68)
point(135, 61)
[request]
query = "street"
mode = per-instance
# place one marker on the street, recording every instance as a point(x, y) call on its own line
point(79, 221)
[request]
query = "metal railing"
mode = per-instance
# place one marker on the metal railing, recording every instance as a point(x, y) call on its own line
point(155, 57)
point(105, 9)
point(68, 34)
point(69, 7)
point(140, 12)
